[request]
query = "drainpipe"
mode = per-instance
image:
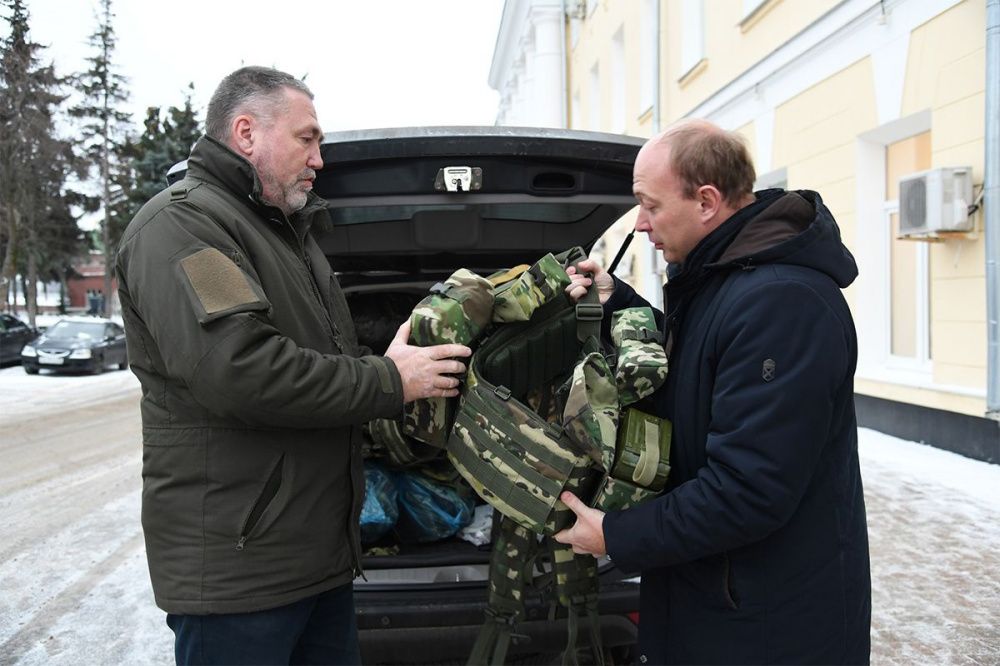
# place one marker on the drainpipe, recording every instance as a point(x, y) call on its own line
point(654, 285)
point(656, 71)
point(564, 52)
point(991, 206)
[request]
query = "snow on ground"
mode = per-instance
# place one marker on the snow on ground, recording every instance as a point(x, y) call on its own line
point(23, 395)
point(934, 525)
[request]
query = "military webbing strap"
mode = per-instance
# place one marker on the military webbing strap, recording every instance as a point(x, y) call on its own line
point(577, 591)
point(514, 551)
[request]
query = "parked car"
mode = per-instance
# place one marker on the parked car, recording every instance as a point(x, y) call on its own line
point(409, 207)
point(88, 344)
point(14, 334)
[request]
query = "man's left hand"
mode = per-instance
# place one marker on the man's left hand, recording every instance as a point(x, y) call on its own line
point(587, 534)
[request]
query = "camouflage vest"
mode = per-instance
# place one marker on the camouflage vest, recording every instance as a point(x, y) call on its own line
point(543, 409)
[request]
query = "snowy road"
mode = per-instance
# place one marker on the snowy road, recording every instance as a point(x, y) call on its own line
point(74, 587)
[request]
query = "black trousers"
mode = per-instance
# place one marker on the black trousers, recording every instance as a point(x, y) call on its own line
point(316, 630)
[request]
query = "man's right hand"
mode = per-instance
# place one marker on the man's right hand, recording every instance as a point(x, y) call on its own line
point(426, 372)
point(579, 283)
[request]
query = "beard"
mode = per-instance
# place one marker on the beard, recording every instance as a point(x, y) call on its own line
point(288, 196)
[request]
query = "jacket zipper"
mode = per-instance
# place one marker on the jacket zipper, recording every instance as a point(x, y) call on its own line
point(263, 500)
point(304, 258)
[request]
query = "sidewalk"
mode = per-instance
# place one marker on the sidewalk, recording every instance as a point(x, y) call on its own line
point(934, 529)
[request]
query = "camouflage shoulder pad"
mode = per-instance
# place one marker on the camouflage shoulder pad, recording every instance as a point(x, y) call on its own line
point(545, 280)
point(642, 361)
point(456, 311)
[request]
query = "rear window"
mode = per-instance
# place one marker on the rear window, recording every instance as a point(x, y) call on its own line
point(559, 213)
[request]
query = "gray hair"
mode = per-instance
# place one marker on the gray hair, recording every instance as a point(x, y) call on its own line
point(254, 89)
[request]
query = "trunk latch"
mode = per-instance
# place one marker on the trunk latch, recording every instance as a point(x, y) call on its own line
point(458, 179)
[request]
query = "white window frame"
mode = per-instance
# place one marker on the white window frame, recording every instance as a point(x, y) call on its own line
point(647, 55)
point(594, 119)
point(618, 82)
point(750, 6)
point(692, 34)
point(920, 363)
point(872, 252)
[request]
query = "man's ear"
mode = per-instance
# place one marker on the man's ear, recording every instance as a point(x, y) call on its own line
point(709, 201)
point(243, 130)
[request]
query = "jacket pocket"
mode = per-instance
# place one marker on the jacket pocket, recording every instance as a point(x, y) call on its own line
point(728, 588)
point(264, 499)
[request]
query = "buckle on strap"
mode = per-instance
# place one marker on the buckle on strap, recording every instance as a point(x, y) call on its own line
point(589, 312)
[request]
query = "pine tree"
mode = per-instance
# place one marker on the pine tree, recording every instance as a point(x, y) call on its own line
point(165, 141)
point(34, 162)
point(105, 137)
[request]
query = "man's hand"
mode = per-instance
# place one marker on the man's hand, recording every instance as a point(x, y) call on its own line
point(587, 534)
point(579, 283)
point(426, 371)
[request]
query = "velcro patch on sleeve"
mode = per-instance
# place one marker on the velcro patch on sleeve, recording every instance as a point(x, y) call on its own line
point(218, 283)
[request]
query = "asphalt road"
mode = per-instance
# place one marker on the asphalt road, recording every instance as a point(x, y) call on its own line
point(74, 588)
point(73, 580)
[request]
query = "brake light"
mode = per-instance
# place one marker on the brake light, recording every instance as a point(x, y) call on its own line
point(634, 616)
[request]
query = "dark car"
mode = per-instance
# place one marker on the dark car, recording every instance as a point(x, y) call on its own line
point(14, 334)
point(409, 207)
point(81, 344)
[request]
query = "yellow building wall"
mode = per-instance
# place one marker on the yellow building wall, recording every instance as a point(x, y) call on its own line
point(731, 45)
point(946, 73)
point(593, 45)
point(815, 139)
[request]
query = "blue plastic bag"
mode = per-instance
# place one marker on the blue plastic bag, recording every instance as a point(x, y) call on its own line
point(430, 510)
point(380, 511)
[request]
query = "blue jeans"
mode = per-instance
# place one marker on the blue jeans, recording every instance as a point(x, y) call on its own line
point(317, 630)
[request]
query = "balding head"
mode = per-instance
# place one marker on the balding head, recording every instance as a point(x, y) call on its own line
point(701, 153)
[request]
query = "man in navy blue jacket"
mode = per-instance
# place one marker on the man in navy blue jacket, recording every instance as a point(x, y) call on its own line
point(757, 552)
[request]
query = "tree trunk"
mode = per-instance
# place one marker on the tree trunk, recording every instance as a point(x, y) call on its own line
point(8, 273)
point(31, 289)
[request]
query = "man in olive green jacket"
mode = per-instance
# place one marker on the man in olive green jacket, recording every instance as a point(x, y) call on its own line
point(254, 389)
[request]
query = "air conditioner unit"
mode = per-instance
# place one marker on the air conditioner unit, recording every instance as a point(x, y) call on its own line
point(934, 201)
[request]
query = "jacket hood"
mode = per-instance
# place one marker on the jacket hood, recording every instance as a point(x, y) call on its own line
point(793, 228)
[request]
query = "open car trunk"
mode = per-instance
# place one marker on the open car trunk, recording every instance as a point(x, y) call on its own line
point(407, 208)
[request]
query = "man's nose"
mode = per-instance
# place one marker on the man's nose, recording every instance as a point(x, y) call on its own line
point(642, 221)
point(315, 160)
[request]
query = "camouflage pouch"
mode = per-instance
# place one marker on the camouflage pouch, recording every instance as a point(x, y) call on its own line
point(590, 416)
point(518, 298)
point(641, 462)
point(614, 495)
point(643, 450)
point(456, 310)
point(642, 361)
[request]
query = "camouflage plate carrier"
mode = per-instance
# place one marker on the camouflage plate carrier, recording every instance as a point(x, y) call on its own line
point(540, 412)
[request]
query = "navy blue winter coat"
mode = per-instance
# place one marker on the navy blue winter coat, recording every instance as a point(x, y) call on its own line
point(758, 550)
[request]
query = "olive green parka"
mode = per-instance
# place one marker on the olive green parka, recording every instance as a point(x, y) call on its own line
point(253, 394)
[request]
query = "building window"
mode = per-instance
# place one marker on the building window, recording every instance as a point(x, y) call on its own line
point(908, 261)
point(647, 55)
point(750, 6)
point(692, 34)
point(618, 81)
point(594, 112)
